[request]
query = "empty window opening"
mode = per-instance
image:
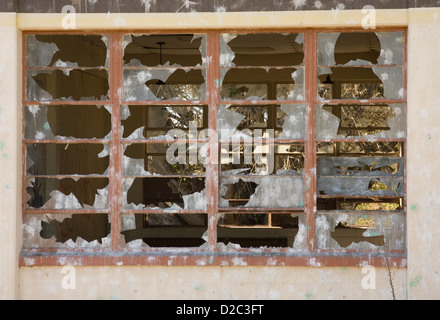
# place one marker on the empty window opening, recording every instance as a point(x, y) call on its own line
point(90, 227)
point(164, 230)
point(346, 234)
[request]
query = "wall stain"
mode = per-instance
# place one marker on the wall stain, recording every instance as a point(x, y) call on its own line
point(415, 282)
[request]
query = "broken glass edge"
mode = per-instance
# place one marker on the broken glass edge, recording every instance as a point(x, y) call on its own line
point(35, 93)
point(289, 191)
point(39, 53)
point(193, 201)
point(391, 43)
point(292, 128)
point(299, 241)
point(136, 89)
point(128, 38)
point(327, 124)
point(32, 239)
point(391, 226)
point(39, 115)
point(60, 201)
point(227, 55)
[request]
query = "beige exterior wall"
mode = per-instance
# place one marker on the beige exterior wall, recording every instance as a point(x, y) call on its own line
point(10, 155)
point(421, 280)
point(259, 283)
point(423, 164)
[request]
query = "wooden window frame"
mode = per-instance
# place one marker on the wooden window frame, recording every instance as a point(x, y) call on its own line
point(210, 255)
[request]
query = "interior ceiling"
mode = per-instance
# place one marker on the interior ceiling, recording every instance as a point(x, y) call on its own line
point(357, 42)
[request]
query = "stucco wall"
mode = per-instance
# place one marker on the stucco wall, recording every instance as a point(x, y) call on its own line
point(423, 169)
point(209, 283)
point(419, 281)
point(10, 155)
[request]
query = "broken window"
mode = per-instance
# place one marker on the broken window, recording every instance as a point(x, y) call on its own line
point(261, 230)
point(164, 67)
point(263, 66)
point(67, 68)
point(360, 141)
point(223, 143)
point(67, 135)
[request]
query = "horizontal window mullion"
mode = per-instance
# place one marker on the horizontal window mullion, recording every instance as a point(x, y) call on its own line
point(161, 103)
point(65, 211)
point(162, 211)
point(66, 141)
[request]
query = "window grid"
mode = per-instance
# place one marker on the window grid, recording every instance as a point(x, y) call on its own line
point(212, 173)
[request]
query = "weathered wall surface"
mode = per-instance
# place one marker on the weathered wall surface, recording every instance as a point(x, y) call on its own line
point(423, 169)
point(419, 281)
point(10, 155)
point(209, 283)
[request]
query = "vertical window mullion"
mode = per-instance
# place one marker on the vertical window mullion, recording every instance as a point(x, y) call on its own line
point(310, 147)
point(116, 83)
point(212, 163)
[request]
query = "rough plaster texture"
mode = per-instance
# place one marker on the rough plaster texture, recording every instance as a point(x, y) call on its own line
point(424, 136)
point(208, 283)
point(419, 281)
point(10, 156)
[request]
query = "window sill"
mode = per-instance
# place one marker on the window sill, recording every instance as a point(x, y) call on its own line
point(198, 257)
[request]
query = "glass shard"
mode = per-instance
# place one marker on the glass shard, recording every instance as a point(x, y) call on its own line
point(163, 193)
point(165, 49)
point(357, 120)
point(67, 193)
point(266, 192)
point(46, 50)
point(66, 231)
point(75, 84)
point(360, 231)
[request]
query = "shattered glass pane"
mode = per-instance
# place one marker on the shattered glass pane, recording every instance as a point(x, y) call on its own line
point(164, 193)
point(165, 49)
point(278, 191)
point(235, 85)
point(262, 49)
point(145, 159)
point(67, 67)
point(357, 120)
point(360, 231)
point(140, 122)
point(163, 230)
point(67, 84)
point(66, 159)
point(292, 120)
point(67, 121)
point(362, 83)
point(264, 58)
point(67, 193)
point(391, 148)
point(250, 159)
point(360, 204)
point(285, 121)
point(66, 231)
point(67, 50)
point(164, 84)
point(242, 91)
point(360, 176)
point(164, 67)
point(361, 48)
point(245, 230)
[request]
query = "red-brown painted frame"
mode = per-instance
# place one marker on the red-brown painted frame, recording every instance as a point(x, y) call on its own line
point(117, 255)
